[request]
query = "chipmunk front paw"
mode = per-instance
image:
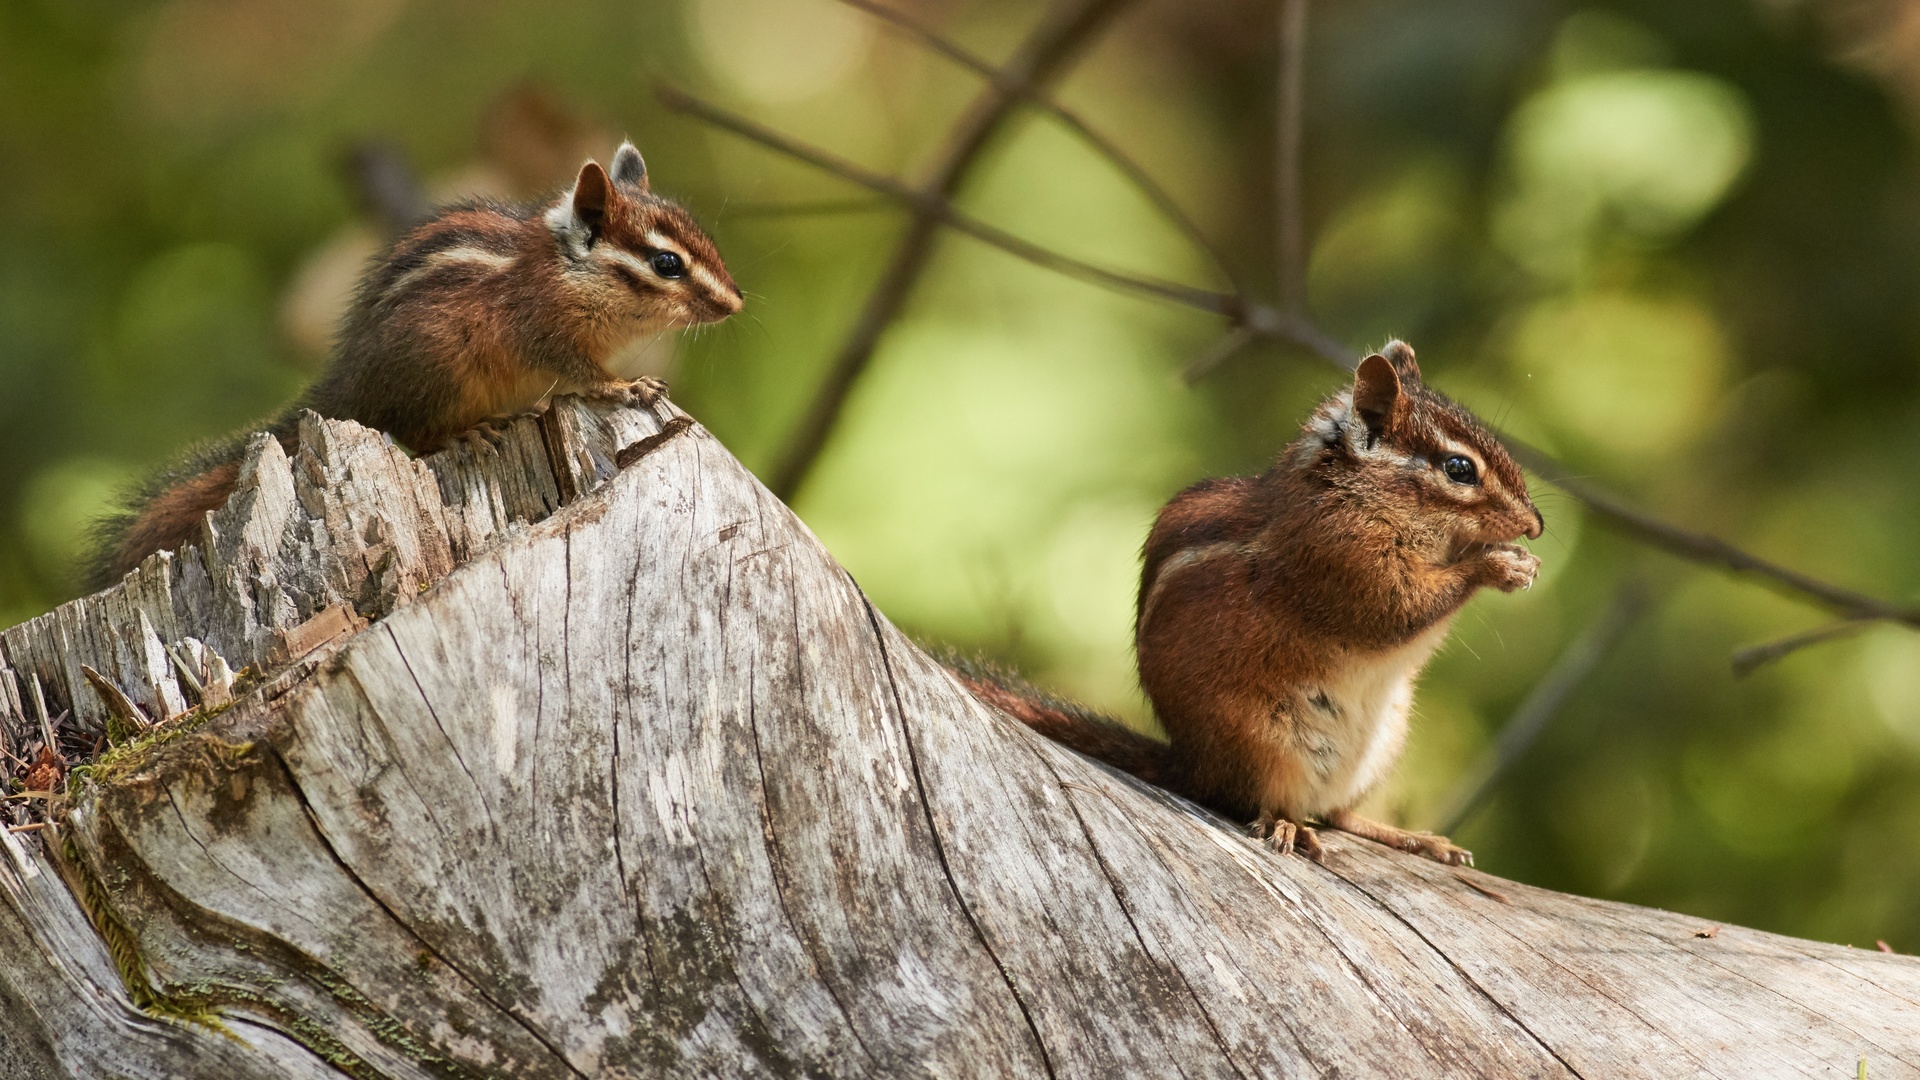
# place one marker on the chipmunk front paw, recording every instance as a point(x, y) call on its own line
point(1510, 567)
point(643, 391)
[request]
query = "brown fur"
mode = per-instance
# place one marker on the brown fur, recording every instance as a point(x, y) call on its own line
point(172, 518)
point(481, 312)
point(1265, 599)
point(1095, 736)
point(435, 345)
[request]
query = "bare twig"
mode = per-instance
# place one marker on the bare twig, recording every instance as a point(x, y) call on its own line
point(1259, 319)
point(1542, 702)
point(942, 212)
point(1746, 660)
point(1289, 105)
point(1216, 354)
point(807, 208)
point(1711, 550)
point(1043, 55)
point(1136, 174)
point(1299, 330)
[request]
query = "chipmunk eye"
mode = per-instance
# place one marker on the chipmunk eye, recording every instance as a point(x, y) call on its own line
point(1459, 469)
point(668, 265)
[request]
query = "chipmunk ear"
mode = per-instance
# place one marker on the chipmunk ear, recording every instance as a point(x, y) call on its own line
point(591, 192)
point(629, 168)
point(1400, 355)
point(1377, 398)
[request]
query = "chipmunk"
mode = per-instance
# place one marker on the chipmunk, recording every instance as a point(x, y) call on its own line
point(478, 315)
point(1283, 618)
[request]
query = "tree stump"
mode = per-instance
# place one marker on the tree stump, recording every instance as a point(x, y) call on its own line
point(582, 758)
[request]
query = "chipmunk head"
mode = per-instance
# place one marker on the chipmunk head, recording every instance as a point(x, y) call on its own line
point(637, 254)
point(1393, 440)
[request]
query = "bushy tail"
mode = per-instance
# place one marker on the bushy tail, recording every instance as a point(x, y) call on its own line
point(164, 511)
point(1067, 723)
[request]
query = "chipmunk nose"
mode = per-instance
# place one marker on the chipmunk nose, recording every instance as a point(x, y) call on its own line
point(1539, 524)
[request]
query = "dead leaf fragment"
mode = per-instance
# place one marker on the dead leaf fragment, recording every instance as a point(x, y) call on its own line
point(47, 772)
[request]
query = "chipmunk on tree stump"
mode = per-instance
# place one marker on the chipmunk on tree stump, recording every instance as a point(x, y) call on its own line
point(482, 313)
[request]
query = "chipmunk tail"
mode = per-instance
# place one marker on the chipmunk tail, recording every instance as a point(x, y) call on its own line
point(163, 512)
point(1068, 723)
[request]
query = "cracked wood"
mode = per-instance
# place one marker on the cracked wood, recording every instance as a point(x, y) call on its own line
point(627, 778)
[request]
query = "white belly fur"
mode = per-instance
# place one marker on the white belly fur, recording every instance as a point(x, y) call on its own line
point(1354, 744)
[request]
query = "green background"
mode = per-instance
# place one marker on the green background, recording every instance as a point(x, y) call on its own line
point(1678, 245)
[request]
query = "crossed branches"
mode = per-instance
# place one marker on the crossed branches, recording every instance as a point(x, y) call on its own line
point(1022, 80)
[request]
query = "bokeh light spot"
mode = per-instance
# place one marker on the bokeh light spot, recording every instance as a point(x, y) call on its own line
point(1634, 375)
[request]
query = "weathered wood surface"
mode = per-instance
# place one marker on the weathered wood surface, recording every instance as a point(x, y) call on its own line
point(626, 778)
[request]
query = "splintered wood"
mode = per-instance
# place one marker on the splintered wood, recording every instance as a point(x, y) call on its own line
point(626, 778)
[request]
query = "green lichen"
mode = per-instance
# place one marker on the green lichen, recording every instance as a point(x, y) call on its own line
point(204, 1003)
point(179, 1008)
point(308, 1032)
point(122, 755)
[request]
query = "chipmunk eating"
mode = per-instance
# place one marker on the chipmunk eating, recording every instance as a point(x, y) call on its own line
point(1283, 618)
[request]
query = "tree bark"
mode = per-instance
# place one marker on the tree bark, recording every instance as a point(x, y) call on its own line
point(623, 776)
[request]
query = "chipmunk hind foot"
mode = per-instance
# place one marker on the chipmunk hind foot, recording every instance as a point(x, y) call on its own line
point(1426, 844)
point(643, 391)
point(1286, 837)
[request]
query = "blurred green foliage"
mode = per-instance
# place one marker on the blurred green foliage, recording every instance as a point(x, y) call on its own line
point(1676, 244)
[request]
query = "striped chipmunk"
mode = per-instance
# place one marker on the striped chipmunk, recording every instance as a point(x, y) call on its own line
point(1283, 618)
point(477, 316)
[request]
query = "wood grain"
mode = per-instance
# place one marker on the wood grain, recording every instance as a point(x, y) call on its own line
point(627, 778)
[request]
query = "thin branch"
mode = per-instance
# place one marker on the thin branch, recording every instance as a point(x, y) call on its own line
point(806, 208)
point(1136, 174)
point(1710, 550)
point(1271, 322)
point(1045, 53)
point(1259, 319)
point(1216, 354)
point(1747, 660)
point(942, 212)
point(1289, 104)
point(1542, 702)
